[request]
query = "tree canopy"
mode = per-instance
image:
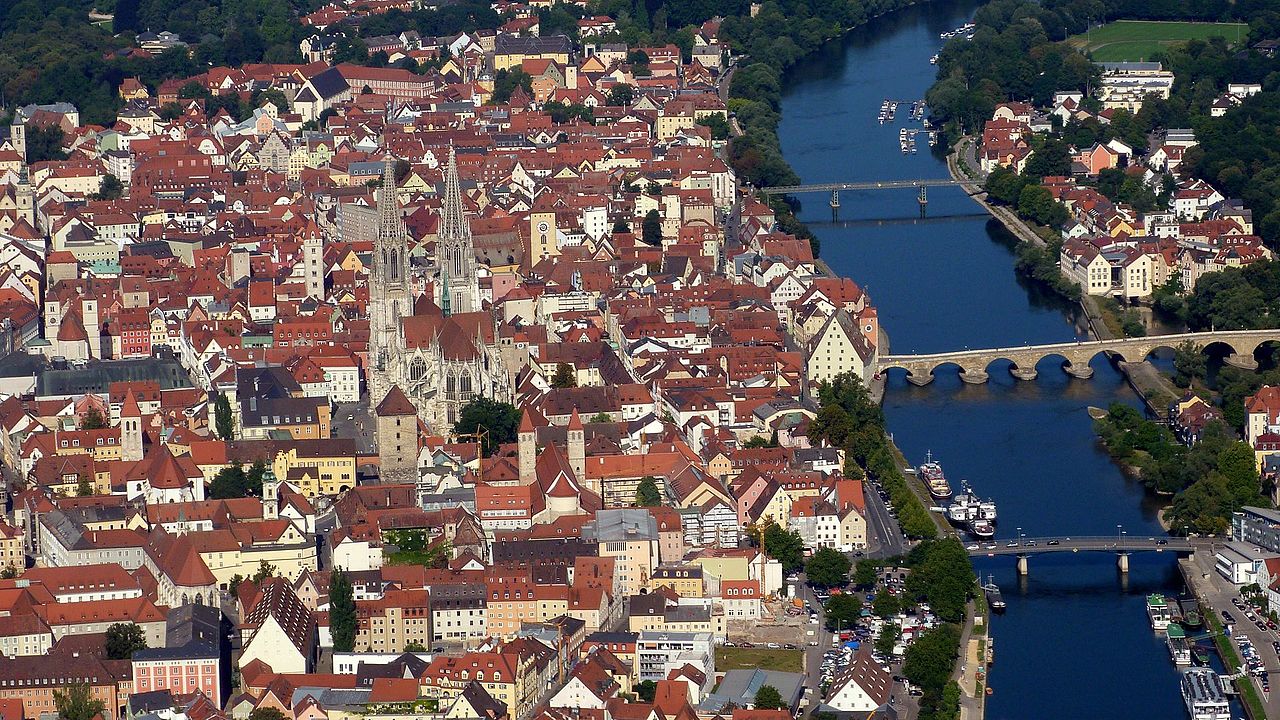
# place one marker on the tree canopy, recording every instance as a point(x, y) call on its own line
point(76, 702)
point(768, 698)
point(828, 567)
point(342, 611)
point(647, 492)
point(123, 639)
point(500, 419)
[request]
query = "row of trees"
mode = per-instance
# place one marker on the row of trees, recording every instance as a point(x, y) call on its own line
point(1209, 480)
point(850, 420)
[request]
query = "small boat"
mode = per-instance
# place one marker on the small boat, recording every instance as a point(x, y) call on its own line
point(982, 529)
point(933, 60)
point(995, 600)
point(1200, 655)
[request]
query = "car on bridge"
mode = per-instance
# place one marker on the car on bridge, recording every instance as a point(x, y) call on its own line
point(1054, 542)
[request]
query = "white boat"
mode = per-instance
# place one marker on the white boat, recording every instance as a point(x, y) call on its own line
point(1179, 648)
point(1158, 611)
point(933, 60)
point(934, 479)
point(982, 529)
point(1204, 695)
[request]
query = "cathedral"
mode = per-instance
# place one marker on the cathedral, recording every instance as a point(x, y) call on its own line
point(440, 351)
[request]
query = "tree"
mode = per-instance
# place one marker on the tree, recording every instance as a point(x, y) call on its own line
point(886, 605)
point(930, 659)
point(111, 189)
point(768, 698)
point(265, 570)
point(600, 417)
point(865, 573)
point(760, 441)
point(44, 142)
point(842, 611)
point(651, 230)
point(10, 572)
point(828, 568)
point(498, 418)
point(413, 646)
point(232, 482)
point(1189, 364)
point(84, 488)
point(93, 420)
point(785, 546)
point(647, 492)
point(505, 82)
point(76, 702)
point(621, 94)
point(719, 126)
point(887, 640)
point(342, 612)
point(564, 377)
point(267, 713)
point(647, 690)
point(620, 227)
point(222, 417)
point(123, 639)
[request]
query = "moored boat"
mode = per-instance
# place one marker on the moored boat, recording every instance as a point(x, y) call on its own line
point(934, 479)
point(995, 600)
point(1158, 612)
point(1204, 695)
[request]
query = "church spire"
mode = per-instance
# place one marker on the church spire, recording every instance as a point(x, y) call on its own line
point(390, 225)
point(455, 254)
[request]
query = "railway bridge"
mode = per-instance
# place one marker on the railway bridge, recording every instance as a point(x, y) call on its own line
point(1075, 356)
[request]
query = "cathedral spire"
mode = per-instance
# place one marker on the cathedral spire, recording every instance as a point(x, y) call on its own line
point(455, 253)
point(390, 224)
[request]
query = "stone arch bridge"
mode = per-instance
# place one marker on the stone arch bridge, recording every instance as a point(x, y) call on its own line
point(973, 364)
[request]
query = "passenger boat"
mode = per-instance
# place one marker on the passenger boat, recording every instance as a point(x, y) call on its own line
point(1158, 612)
point(934, 479)
point(1204, 695)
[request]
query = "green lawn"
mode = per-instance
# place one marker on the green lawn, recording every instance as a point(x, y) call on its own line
point(732, 658)
point(1136, 40)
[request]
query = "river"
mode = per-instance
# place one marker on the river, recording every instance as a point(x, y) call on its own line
point(1075, 641)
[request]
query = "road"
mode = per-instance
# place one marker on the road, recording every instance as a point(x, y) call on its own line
point(360, 427)
point(1103, 543)
point(884, 536)
point(1214, 590)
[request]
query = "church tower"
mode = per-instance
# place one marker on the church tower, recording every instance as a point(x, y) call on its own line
point(270, 495)
point(313, 260)
point(527, 450)
point(459, 288)
point(577, 446)
point(389, 298)
point(130, 429)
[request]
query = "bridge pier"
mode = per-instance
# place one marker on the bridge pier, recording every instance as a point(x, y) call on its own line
point(1122, 562)
point(1023, 373)
point(1242, 361)
point(974, 377)
point(1022, 565)
point(920, 380)
point(1084, 372)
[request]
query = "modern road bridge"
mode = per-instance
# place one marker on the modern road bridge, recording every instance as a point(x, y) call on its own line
point(919, 184)
point(1075, 355)
point(1122, 546)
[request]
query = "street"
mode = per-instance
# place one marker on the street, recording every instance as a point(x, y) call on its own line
point(1215, 592)
point(884, 537)
point(352, 420)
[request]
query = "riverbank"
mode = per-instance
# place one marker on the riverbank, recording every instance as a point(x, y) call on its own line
point(1155, 389)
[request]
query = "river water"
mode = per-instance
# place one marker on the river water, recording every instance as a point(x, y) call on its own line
point(1075, 641)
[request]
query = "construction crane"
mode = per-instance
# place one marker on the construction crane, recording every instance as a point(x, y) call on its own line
point(480, 437)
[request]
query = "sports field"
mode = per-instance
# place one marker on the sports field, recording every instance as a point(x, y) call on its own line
point(1135, 40)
